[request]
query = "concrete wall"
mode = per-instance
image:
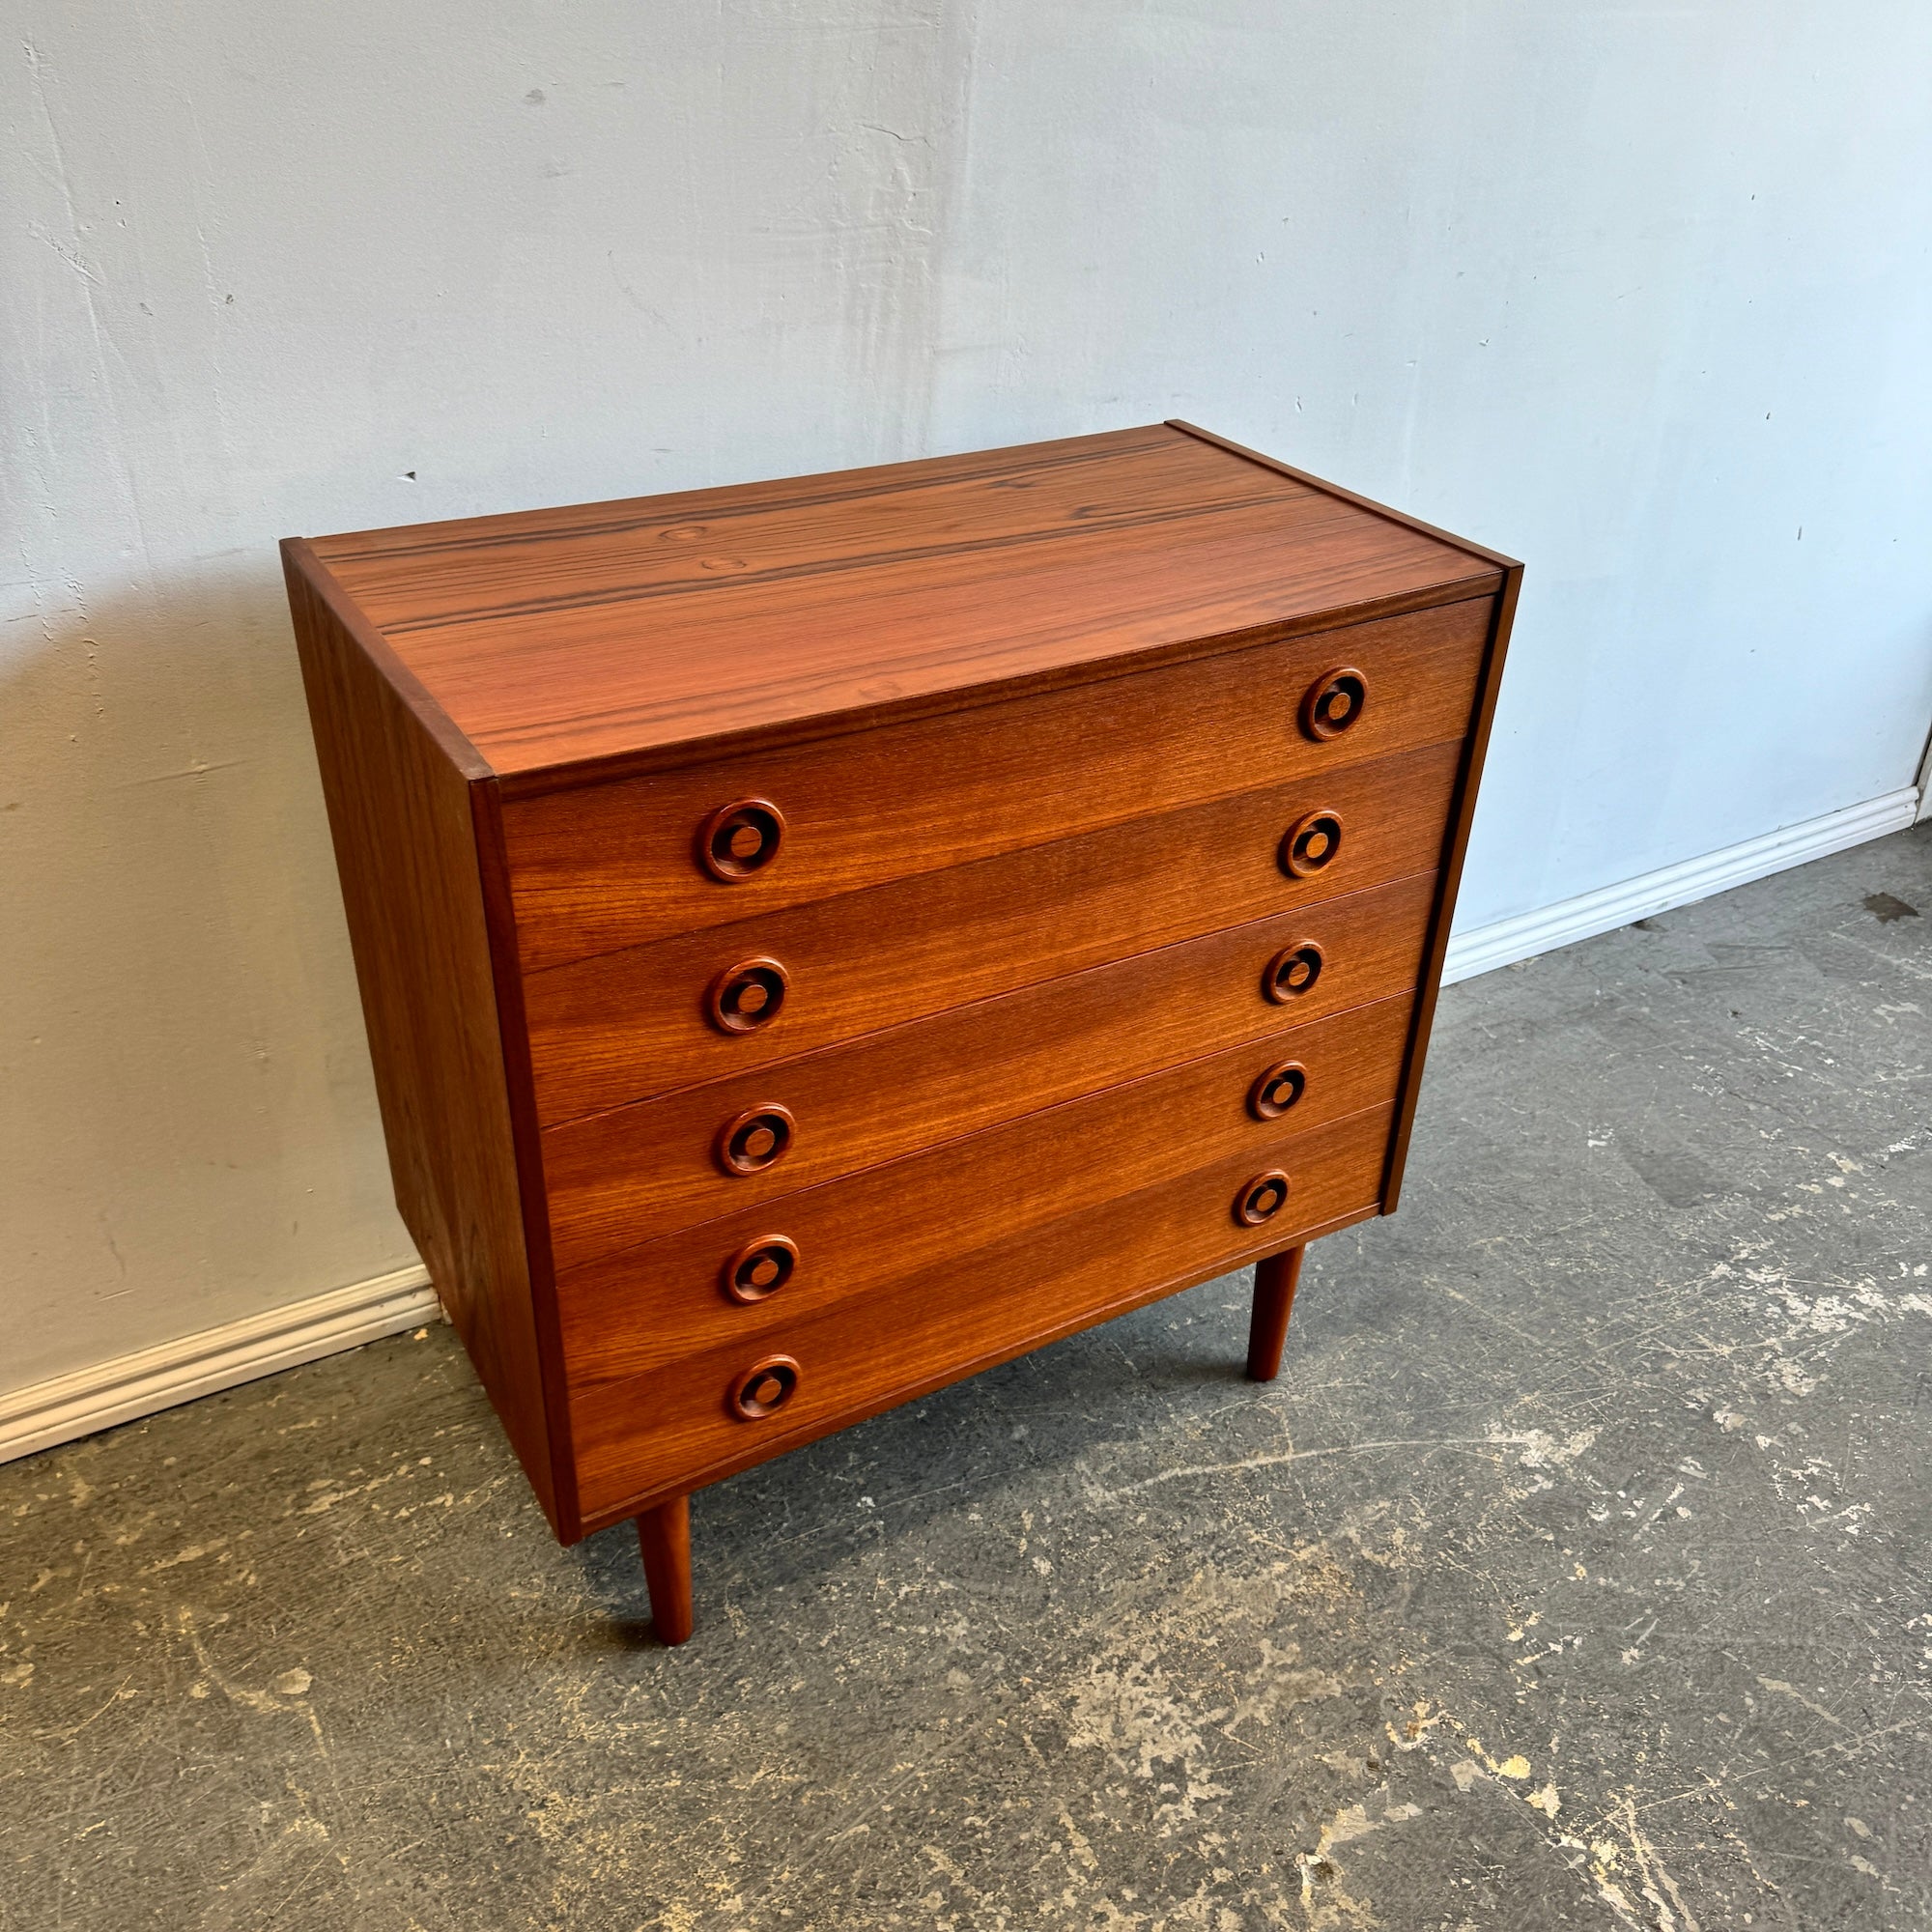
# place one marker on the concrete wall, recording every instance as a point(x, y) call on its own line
point(1642, 297)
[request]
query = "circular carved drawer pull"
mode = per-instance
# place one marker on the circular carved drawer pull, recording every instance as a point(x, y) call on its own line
point(739, 840)
point(1334, 702)
point(767, 1387)
point(747, 996)
point(761, 1268)
point(755, 1139)
point(1311, 844)
point(1262, 1198)
point(1277, 1090)
point(1293, 971)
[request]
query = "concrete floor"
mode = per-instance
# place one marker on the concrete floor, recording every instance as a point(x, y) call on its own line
point(1574, 1574)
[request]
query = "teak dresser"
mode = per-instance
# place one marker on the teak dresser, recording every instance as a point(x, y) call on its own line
point(822, 938)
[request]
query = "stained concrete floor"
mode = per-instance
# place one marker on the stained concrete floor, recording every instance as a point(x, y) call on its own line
point(1574, 1574)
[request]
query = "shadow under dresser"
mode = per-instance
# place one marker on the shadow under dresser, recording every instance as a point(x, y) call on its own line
point(821, 938)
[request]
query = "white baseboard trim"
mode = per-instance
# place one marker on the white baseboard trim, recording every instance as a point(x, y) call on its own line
point(1530, 933)
point(120, 1390)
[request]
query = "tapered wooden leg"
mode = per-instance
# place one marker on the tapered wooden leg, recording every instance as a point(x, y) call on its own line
point(664, 1534)
point(1268, 1327)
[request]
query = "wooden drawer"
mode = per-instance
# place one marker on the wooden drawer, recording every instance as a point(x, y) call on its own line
point(626, 1176)
point(673, 1426)
point(627, 1026)
point(650, 1304)
point(605, 867)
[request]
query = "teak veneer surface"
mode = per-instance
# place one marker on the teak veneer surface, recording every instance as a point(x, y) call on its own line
point(407, 829)
point(638, 1307)
point(668, 1428)
point(624, 1026)
point(628, 1174)
point(617, 632)
point(602, 866)
point(1035, 721)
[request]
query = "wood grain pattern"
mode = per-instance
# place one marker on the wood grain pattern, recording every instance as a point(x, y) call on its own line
point(403, 819)
point(636, 1172)
point(1275, 1279)
point(824, 490)
point(624, 1026)
point(1456, 849)
point(648, 1305)
point(1342, 496)
point(601, 638)
point(1462, 812)
point(911, 842)
point(434, 575)
point(602, 866)
point(663, 1540)
point(669, 1429)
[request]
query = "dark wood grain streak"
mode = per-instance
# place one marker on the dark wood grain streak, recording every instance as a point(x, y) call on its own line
point(635, 1172)
point(920, 519)
point(625, 1026)
point(668, 1430)
point(401, 816)
point(1017, 465)
point(772, 637)
point(803, 724)
point(324, 593)
point(602, 866)
point(545, 688)
point(1342, 496)
point(652, 1304)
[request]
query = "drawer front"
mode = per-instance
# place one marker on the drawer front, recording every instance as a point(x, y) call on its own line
point(631, 1173)
point(647, 1306)
point(628, 1026)
point(606, 867)
point(675, 1425)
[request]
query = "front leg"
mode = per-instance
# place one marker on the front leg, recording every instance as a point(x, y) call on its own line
point(1267, 1329)
point(663, 1535)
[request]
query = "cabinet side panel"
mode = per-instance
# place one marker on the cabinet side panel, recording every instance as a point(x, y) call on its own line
point(1455, 848)
point(400, 815)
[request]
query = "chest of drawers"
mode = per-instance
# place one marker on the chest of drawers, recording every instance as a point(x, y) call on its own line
point(821, 938)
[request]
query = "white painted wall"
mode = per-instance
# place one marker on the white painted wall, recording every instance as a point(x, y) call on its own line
point(1634, 294)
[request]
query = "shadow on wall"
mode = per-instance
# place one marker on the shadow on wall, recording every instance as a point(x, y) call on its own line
point(192, 1134)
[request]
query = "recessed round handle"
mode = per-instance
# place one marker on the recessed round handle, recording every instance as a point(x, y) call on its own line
point(1334, 702)
point(754, 1138)
point(760, 1269)
point(764, 1388)
point(1277, 1090)
point(1293, 971)
point(1311, 844)
point(1262, 1198)
point(747, 996)
point(738, 842)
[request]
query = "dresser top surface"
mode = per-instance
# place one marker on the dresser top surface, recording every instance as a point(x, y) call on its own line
point(614, 633)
